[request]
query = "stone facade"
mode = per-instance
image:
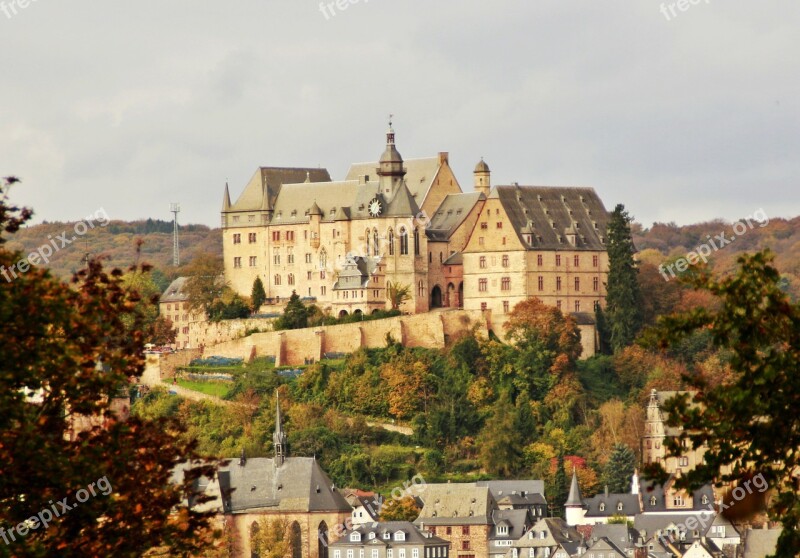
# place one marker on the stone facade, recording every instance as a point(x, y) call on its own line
point(656, 432)
point(174, 305)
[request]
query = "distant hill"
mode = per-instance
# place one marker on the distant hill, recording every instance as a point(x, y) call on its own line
point(668, 241)
point(116, 242)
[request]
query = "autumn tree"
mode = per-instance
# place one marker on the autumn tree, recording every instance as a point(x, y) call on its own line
point(748, 424)
point(400, 509)
point(623, 298)
point(258, 296)
point(272, 538)
point(67, 352)
point(206, 284)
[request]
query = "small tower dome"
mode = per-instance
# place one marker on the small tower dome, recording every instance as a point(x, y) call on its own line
point(483, 178)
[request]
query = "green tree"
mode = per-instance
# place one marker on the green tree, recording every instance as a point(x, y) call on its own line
point(258, 296)
point(602, 331)
point(295, 315)
point(500, 450)
point(397, 294)
point(619, 469)
point(623, 298)
point(748, 423)
point(560, 488)
point(70, 346)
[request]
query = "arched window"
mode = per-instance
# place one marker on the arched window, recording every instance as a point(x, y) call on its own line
point(403, 241)
point(602, 507)
point(290, 279)
point(254, 542)
point(277, 280)
point(375, 244)
point(367, 236)
point(416, 241)
point(391, 242)
point(323, 260)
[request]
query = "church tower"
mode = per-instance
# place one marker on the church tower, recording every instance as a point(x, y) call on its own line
point(279, 438)
point(391, 170)
point(653, 450)
point(573, 507)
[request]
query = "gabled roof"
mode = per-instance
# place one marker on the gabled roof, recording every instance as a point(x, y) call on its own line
point(402, 204)
point(420, 174)
point(523, 488)
point(651, 489)
point(610, 504)
point(175, 292)
point(517, 522)
point(604, 544)
point(556, 531)
point(271, 180)
point(412, 533)
point(622, 536)
point(456, 504)
point(453, 210)
point(549, 213)
point(299, 485)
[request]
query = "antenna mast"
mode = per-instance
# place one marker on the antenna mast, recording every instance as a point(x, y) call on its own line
point(175, 208)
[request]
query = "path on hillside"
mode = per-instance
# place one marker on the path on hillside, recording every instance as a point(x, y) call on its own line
point(405, 430)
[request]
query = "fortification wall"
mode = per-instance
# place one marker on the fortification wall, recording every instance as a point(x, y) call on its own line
point(206, 334)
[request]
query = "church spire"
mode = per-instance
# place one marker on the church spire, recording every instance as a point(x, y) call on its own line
point(574, 498)
point(279, 438)
point(226, 199)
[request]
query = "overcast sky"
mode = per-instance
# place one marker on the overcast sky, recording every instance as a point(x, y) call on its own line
point(131, 105)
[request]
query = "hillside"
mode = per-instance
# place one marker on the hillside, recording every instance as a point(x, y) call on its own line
point(116, 241)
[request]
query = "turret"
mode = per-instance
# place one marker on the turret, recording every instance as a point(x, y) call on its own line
point(573, 507)
point(226, 205)
point(315, 218)
point(279, 438)
point(483, 178)
point(390, 170)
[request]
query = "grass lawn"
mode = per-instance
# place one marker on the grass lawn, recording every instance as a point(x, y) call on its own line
point(216, 389)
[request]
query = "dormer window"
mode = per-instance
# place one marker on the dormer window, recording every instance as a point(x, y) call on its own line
point(704, 499)
point(371, 536)
point(355, 536)
point(652, 500)
point(387, 536)
point(619, 506)
point(502, 529)
point(400, 536)
point(602, 507)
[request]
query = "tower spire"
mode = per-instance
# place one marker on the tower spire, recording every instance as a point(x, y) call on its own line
point(279, 438)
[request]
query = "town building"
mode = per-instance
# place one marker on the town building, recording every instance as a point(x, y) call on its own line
point(391, 539)
point(508, 525)
point(523, 494)
point(174, 306)
point(657, 432)
point(460, 513)
point(549, 538)
point(340, 244)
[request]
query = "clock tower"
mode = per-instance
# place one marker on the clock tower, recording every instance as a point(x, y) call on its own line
point(391, 170)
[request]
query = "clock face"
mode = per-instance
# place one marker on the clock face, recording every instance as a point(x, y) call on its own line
point(375, 207)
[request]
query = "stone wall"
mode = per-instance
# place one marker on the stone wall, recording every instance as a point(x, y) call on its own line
point(295, 347)
point(169, 362)
point(206, 334)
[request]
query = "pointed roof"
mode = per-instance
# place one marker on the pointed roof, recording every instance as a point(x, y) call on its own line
point(226, 199)
point(403, 204)
point(574, 498)
point(279, 437)
point(314, 209)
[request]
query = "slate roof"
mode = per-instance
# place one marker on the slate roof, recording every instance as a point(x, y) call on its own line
point(299, 485)
point(175, 292)
point(420, 174)
point(622, 536)
point(574, 497)
point(413, 535)
point(604, 544)
point(649, 525)
point(630, 505)
point(551, 211)
point(455, 259)
point(532, 490)
point(453, 210)
point(557, 532)
point(456, 504)
point(760, 543)
point(517, 520)
point(648, 489)
point(272, 179)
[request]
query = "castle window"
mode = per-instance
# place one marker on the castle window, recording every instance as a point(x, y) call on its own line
point(577, 284)
point(558, 259)
point(499, 224)
point(367, 238)
point(484, 307)
point(323, 261)
point(308, 260)
point(595, 261)
point(276, 236)
point(558, 304)
point(237, 238)
point(482, 262)
point(235, 218)
point(403, 241)
point(541, 283)
point(595, 284)
point(576, 260)
point(375, 244)
point(484, 226)
point(505, 284)
point(505, 260)
point(539, 259)
point(505, 307)
point(416, 241)
point(289, 256)
point(290, 279)
point(391, 242)
point(483, 285)
point(323, 291)
point(251, 238)
point(577, 305)
point(480, 240)
point(558, 283)
point(290, 236)
point(252, 261)
point(237, 263)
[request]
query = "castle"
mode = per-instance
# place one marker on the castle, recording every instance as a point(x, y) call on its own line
point(342, 244)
